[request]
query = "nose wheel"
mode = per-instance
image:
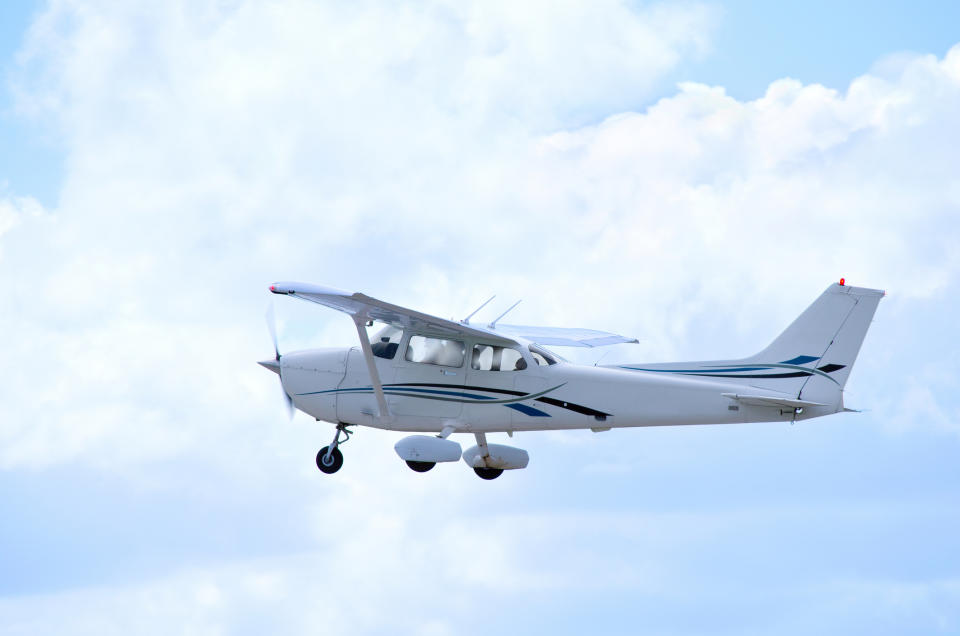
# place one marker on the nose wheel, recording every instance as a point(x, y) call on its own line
point(330, 459)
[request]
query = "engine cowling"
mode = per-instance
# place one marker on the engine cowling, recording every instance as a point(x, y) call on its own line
point(501, 456)
point(427, 448)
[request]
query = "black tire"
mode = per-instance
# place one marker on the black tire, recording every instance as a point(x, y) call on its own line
point(335, 462)
point(488, 473)
point(421, 467)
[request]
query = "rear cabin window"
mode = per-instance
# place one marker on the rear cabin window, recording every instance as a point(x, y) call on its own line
point(439, 351)
point(491, 358)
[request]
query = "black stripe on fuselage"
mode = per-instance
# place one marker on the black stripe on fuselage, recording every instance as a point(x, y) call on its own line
point(585, 410)
point(796, 374)
point(570, 406)
point(457, 386)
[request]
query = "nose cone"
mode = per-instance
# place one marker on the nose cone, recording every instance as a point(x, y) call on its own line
point(273, 365)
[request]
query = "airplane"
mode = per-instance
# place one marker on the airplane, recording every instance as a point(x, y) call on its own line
point(424, 374)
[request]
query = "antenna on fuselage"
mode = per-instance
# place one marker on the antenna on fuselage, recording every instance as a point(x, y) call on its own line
point(493, 325)
point(466, 320)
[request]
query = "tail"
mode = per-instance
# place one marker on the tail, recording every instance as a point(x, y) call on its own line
point(811, 360)
point(824, 340)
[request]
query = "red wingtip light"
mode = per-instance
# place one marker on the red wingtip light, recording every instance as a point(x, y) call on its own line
point(843, 281)
point(273, 288)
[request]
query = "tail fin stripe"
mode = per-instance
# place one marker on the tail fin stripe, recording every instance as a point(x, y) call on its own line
point(737, 371)
point(800, 360)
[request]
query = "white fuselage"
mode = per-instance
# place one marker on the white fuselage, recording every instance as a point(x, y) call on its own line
point(334, 385)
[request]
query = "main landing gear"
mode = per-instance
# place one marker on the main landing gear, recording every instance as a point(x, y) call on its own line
point(415, 448)
point(420, 467)
point(330, 459)
point(487, 473)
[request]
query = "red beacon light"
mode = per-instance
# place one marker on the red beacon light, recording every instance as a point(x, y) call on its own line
point(843, 282)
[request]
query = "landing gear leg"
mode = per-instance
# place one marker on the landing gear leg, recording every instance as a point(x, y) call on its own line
point(484, 472)
point(330, 459)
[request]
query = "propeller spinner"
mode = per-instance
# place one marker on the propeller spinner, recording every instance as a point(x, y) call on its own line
point(274, 365)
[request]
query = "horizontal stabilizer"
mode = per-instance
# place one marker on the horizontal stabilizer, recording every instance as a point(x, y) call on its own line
point(766, 400)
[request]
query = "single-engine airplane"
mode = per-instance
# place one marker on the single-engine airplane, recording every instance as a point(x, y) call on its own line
point(424, 374)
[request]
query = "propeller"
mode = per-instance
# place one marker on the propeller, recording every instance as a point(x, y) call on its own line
point(274, 365)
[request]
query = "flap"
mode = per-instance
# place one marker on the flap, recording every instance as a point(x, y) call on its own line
point(564, 337)
point(373, 309)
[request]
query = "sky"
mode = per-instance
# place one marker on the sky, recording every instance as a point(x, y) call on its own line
point(693, 174)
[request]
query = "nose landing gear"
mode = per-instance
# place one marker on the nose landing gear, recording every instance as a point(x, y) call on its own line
point(330, 459)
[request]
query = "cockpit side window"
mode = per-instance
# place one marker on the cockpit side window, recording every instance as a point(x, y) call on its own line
point(493, 358)
point(439, 351)
point(386, 341)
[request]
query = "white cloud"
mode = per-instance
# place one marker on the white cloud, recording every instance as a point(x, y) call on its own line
point(13, 209)
point(430, 156)
point(487, 570)
point(213, 150)
point(924, 402)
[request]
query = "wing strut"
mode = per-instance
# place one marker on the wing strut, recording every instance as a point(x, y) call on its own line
point(466, 321)
point(493, 325)
point(359, 320)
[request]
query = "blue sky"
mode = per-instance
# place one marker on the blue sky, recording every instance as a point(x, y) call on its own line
point(32, 159)
point(827, 43)
point(692, 174)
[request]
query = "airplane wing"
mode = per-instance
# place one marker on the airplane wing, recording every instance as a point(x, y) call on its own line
point(564, 337)
point(357, 304)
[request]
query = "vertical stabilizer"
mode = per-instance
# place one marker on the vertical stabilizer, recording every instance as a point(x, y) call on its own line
point(839, 354)
point(811, 359)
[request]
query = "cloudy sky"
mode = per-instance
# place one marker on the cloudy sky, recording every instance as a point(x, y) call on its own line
point(692, 174)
